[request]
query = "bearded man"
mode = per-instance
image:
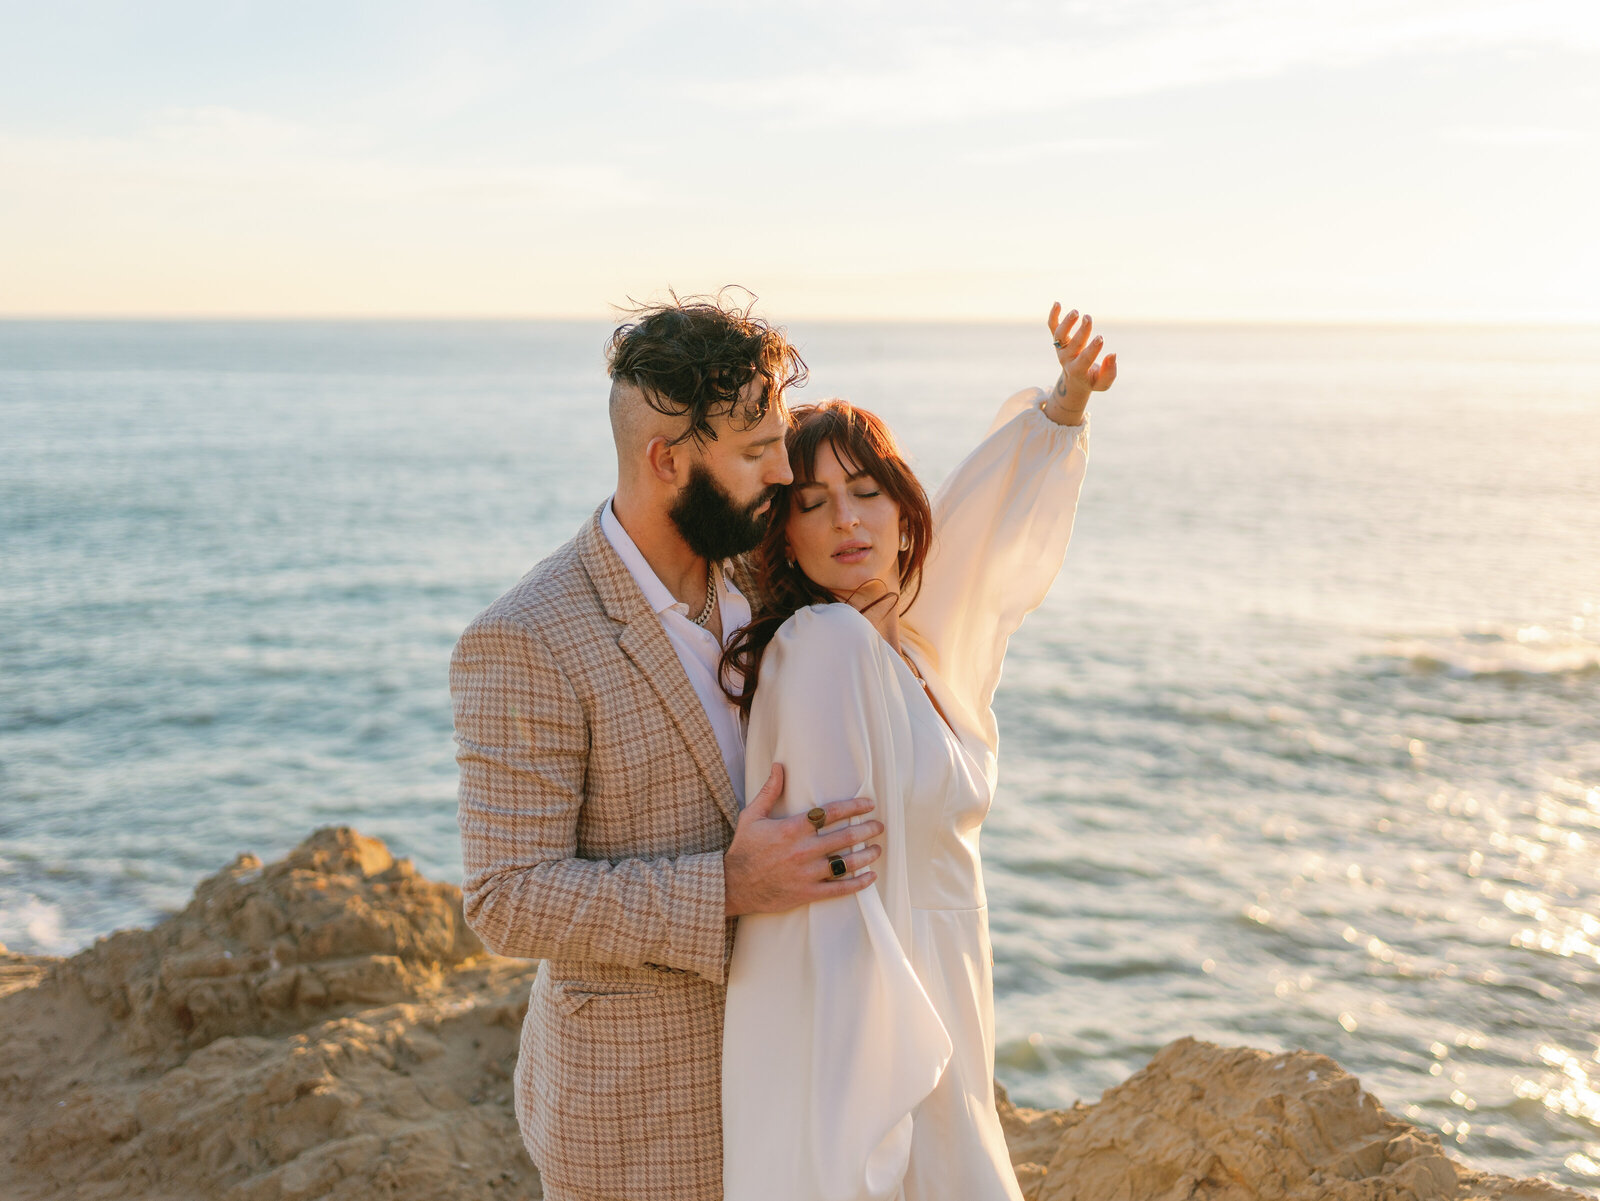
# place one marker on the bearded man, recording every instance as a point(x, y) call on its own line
point(603, 830)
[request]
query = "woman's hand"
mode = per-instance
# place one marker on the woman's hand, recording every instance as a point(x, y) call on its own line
point(1080, 374)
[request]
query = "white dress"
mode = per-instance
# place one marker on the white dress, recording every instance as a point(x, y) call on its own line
point(858, 1050)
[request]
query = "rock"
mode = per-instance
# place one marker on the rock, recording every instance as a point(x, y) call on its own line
point(323, 1026)
point(326, 1026)
point(337, 923)
point(1201, 1121)
point(20, 971)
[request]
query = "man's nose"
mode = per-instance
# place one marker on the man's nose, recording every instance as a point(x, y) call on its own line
point(783, 474)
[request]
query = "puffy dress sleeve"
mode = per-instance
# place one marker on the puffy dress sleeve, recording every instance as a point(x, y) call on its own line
point(830, 1040)
point(1001, 523)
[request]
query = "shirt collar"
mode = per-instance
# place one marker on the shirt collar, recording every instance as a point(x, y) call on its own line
point(656, 594)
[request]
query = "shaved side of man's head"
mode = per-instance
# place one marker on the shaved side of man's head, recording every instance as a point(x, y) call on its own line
point(635, 421)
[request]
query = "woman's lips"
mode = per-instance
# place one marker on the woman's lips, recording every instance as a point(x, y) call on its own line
point(851, 554)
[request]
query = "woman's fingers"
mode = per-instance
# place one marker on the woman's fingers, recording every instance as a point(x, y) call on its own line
point(1085, 358)
point(1104, 373)
point(1064, 334)
point(1081, 336)
point(1069, 346)
point(1077, 350)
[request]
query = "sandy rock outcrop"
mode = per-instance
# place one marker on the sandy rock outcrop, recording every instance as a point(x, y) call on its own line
point(338, 922)
point(323, 1026)
point(1212, 1123)
point(326, 1026)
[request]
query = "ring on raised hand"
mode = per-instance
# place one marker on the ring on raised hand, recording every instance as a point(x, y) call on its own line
point(817, 816)
point(836, 865)
point(1061, 345)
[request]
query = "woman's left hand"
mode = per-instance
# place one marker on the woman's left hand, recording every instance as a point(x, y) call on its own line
point(1081, 375)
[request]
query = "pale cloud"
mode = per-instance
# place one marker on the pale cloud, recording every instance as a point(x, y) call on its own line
point(1513, 135)
point(1034, 152)
point(212, 129)
point(257, 159)
point(1038, 62)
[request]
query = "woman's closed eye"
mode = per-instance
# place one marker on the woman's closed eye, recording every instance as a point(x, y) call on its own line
point(805, 508)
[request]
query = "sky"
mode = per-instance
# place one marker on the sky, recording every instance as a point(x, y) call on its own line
point(1175, 160)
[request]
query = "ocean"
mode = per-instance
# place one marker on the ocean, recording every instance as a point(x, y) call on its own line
point(1302, 751)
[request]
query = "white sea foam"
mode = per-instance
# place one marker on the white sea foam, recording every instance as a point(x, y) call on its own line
point(32, 926)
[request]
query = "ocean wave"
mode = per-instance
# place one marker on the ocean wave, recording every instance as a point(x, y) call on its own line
point(1505, 653)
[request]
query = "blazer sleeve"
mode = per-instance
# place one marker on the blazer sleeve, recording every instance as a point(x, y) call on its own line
point(523, 742)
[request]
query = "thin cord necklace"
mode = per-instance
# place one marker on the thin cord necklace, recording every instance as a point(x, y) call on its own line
point(927, 690)
point(913, 668)
point(711, 596)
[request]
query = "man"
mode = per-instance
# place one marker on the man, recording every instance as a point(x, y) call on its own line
point(602, 770)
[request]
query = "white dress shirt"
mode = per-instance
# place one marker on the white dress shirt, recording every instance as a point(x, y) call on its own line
point(697, 647)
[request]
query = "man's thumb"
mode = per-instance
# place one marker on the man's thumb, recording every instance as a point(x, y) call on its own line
point(761, 804)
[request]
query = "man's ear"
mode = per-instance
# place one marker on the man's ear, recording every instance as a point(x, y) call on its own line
point(668, 463)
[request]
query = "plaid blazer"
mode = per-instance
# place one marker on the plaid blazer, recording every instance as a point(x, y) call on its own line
point(594, 809)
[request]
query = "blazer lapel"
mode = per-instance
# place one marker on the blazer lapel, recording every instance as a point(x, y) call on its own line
point(645, 642)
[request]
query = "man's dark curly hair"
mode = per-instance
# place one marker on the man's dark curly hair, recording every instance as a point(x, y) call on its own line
point(694, 356)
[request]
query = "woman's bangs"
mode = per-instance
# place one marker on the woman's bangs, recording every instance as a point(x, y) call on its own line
point(823, 427)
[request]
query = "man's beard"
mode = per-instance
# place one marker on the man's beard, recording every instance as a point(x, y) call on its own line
point(712, 522)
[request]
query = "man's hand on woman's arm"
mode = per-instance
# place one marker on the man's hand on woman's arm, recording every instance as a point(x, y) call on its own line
point(776, 863)
point(1080, 374)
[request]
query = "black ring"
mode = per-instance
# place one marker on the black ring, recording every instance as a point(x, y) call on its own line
point(837, 865)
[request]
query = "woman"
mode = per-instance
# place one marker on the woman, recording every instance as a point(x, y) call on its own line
point(858, 1050)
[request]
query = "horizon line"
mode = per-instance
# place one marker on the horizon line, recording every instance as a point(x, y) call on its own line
point(1549, 321)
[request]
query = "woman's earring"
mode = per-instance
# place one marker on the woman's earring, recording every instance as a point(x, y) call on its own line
point(788, 557)
point(905, 540)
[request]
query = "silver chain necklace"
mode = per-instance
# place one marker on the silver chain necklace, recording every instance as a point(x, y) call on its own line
point(711, 596)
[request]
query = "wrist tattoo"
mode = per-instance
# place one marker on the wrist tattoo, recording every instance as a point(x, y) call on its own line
point(1061, 385)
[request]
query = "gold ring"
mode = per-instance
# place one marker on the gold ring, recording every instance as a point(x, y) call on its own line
point(818, 817)
point(836, 865)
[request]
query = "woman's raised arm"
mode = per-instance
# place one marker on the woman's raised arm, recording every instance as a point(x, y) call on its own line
point(1002, 520)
